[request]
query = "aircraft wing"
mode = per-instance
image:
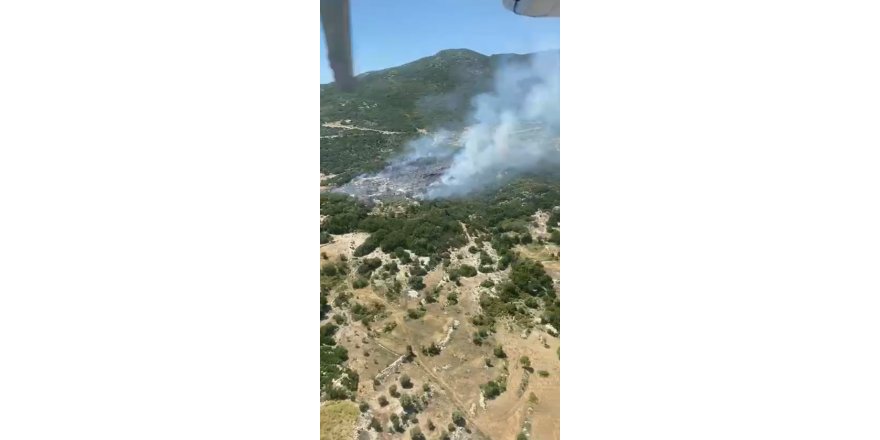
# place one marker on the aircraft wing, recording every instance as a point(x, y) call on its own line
point(533, 8)
point(336, 21)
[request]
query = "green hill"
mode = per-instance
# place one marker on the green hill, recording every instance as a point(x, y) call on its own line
point(427, 94)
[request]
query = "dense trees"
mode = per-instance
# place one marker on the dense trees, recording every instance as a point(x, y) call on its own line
point(343, 213)
point(528, 276)
point(332, 359)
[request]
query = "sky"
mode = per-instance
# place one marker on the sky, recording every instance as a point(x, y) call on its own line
point(388, 33)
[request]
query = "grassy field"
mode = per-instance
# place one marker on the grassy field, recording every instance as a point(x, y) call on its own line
point(338, 420)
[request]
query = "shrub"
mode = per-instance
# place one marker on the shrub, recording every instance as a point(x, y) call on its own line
point(431, 350)
point(499, 352)
point(368, 265)
point(416, 283)
point(391, 267)
point(543, 373)
point(329, 270)
point(525, 362)
point(493, 389)
point(405, 381)
point(487, 283)
point(408, 404)
point(393, 391)
point(467, 271)
point(416, 434)
point(359, 283)
point(419, 271)
point(383, 401)
point(452, 298)
point(458, 418)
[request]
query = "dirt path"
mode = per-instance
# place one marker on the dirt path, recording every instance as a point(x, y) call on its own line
point(339, 124)
point(453, 396)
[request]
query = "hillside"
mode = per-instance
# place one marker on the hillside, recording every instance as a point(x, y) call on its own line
point(362, 129)
point(440, 317)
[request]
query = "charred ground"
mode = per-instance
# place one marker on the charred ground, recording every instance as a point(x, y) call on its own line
point(439, 318)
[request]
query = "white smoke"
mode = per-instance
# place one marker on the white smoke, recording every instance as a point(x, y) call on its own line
point(515, 129)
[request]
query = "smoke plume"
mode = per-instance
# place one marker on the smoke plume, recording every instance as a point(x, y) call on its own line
point(514, 130)
point(511, 131)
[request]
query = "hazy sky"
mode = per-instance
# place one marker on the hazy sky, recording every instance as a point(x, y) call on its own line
point(388, 33)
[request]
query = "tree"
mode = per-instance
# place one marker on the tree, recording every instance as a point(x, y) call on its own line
point(405, 382)
point(416, 283)
point(431, 350)
point(499, 352)
point(383, 401)
point(458, 418)
point(525, 362)
point(493, 389)
point(393, 391)
point(452, 298)
point(408, 403)
point(416, 433)
point(374, 423)
point(467, 271)
point(364, 406)
point(328, 269)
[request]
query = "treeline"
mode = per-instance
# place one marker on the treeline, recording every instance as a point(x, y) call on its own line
point(344, 214)
point(427, 230)
point(433, 227)
point(358, 152)
point(332, 369)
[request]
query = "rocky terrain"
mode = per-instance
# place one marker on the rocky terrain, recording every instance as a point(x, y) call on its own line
point(439, 317)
